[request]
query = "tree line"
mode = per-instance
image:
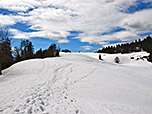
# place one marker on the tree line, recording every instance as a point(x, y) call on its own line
point(24, 51)
point(136, 46)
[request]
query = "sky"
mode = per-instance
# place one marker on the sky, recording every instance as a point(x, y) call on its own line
point(78, 25)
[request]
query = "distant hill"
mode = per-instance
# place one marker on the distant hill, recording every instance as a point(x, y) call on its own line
point(136, 46)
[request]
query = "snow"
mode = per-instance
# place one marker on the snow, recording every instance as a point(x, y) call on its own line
point(78, 83)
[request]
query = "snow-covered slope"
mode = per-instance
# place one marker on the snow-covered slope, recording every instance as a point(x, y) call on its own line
point(78, 83)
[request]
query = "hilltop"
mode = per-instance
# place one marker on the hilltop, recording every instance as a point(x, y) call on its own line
point(78, 83)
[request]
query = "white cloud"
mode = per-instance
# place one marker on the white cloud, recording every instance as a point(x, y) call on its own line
point(117, 36)
point(18, 34)
point(55, 18)
point(52, 35)
point(87, 47)
point(19, 5)
point(121, 36)
point(63, 41)
point(6, 20)
point(103, 43)
point(139, 22)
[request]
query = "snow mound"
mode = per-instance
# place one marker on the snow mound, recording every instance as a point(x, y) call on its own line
point(131, 59)
point(78, 83)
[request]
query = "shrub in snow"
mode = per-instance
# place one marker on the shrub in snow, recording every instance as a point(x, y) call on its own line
point(117, 60)
point(132, 58)
point(137, 58)
point(100, 57)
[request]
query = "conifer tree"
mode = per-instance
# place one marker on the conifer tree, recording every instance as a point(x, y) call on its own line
point(39, 53)
point(6, 58)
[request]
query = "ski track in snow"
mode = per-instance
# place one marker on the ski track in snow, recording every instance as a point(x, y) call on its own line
point(56, 85)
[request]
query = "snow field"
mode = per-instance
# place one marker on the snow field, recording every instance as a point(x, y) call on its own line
point(78, 83)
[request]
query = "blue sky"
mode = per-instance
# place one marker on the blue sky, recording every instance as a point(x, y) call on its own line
point(78, 25)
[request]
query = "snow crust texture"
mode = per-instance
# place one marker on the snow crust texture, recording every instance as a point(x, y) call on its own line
point(78, 84)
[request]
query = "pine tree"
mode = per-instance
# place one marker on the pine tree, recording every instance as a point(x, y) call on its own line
point(39, 53)
point(27, 49)
point(17, 54)
point(52, 51)
point(6, 58)
point(30, 51)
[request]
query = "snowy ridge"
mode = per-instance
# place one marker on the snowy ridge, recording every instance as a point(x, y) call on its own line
point(77, 83)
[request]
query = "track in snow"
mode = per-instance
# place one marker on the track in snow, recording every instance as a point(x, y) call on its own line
point(74, 84)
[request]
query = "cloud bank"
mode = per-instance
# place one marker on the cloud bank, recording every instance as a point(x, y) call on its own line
point(55, 19)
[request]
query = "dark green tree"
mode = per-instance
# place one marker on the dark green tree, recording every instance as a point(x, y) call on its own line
point(6, 58)
point(17, 54)
point(30, 51)
point(39, 53)
point(24, 51)
point(27, 49)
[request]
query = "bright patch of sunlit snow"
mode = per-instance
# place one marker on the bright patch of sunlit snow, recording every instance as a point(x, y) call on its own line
point(78, 83)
